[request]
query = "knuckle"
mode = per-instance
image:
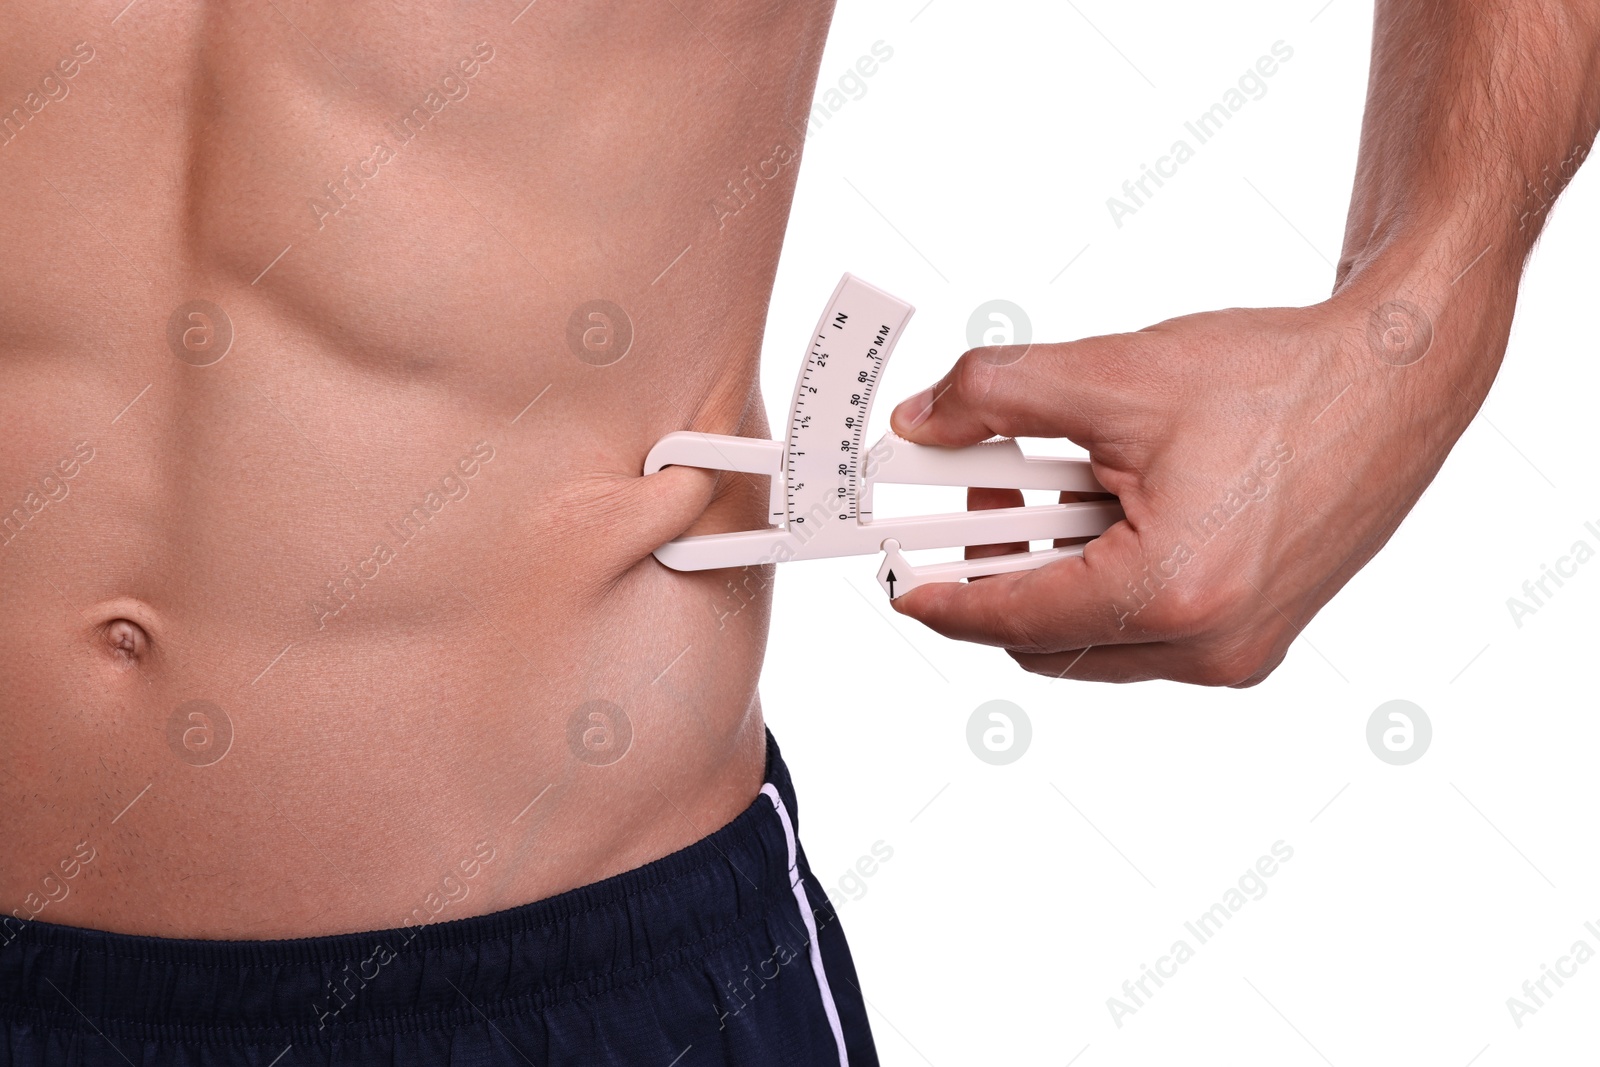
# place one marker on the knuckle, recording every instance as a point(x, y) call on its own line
point(972, 377)
point(1263, 671)
point(1217, 673)
point(1237, 664)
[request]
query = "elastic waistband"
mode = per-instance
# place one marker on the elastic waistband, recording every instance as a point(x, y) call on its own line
point(626, 929)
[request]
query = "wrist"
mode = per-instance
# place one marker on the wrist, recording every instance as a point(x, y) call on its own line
point(1438, 303)
point(1422, 322)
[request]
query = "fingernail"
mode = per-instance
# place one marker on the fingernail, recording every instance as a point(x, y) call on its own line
point(909, 414)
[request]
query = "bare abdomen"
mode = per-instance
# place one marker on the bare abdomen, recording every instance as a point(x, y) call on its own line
point(320, 612)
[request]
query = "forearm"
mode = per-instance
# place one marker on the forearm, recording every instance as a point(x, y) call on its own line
point(1477, 116)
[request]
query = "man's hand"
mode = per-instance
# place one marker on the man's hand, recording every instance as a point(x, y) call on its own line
point(1263, 456)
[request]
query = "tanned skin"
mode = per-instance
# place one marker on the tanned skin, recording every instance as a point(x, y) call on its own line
point(1331, 419)
point(387, 730)
point(389, 734)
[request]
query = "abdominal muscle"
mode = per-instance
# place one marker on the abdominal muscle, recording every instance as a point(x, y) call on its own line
point(355, 624)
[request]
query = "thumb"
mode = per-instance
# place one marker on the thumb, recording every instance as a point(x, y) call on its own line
point(1010, 391)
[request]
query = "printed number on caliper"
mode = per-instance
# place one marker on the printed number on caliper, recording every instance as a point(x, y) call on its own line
point(822, 478)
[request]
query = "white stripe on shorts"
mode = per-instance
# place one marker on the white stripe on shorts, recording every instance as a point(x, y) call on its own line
point(799, 890)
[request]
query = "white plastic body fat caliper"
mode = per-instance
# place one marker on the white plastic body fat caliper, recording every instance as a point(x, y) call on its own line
point(822, 477)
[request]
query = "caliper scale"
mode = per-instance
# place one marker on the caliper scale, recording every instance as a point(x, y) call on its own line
point(822, 478)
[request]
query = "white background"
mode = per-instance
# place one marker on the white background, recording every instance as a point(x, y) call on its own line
point(1019, 898)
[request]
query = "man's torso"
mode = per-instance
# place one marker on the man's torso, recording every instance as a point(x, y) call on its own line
point(388, 556)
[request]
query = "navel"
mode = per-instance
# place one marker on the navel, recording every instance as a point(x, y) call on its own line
point(126, 642)
point(122, 631)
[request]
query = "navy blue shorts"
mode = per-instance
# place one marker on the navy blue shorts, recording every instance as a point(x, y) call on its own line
point(707, 956)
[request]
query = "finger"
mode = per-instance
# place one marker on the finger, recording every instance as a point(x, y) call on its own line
point(1172, 661)
point(1108, 663)
point(1069, 604)
point(984, 395)
point(985, 500)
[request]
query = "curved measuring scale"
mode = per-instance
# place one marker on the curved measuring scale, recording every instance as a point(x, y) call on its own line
point(822, 477)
